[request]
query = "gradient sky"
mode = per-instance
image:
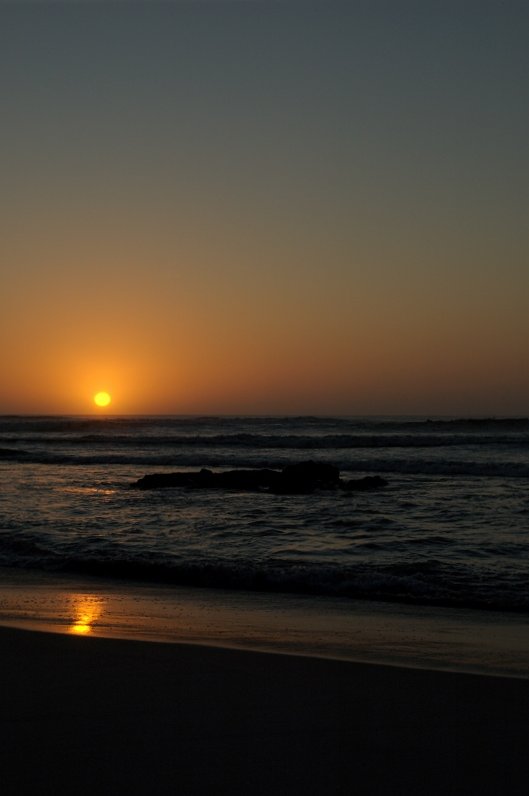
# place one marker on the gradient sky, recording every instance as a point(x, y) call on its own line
point(265, 207)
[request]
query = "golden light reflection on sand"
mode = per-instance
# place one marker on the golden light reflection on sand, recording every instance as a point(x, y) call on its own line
point(87, 609)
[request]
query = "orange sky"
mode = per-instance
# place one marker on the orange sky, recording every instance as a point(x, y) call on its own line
point(235, 210)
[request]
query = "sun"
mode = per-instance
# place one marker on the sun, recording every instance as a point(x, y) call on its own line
point(102, 399)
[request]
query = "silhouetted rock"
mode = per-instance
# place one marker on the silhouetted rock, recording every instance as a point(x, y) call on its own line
point(10, 453)
point(238, 479)
point(305, 477)
point(295, 479)
point(207, 479)
point(164, 480)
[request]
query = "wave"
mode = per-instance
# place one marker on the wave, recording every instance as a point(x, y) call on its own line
point(220, 459)
point(81, 424)
point(420, 584)
point(272, 441)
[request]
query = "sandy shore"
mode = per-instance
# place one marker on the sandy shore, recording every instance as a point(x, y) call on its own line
point(100, 716)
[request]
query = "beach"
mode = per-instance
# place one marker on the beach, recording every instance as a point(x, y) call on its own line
point(90, 715)
point(223, 641)
point(264, 398)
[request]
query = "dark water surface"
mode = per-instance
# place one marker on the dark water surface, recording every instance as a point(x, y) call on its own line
point(451, 528)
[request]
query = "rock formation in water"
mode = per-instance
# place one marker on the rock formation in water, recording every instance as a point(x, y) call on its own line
point(302, 478)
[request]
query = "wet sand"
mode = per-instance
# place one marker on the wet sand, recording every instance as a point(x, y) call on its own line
point(107, 716)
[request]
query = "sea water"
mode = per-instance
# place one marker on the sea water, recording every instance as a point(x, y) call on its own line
point(444, 541)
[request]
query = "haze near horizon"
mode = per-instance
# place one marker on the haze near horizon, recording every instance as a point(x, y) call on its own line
point(265, 207)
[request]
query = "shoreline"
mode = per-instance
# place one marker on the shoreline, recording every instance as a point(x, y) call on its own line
point(335, 629)
point(85, 715)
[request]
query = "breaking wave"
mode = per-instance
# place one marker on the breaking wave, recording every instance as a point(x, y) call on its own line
point(425, 583)
point(229, 458)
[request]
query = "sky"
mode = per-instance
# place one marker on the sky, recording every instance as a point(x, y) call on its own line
point(265, 207)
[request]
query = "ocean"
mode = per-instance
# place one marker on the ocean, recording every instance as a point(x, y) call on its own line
point(447, 536)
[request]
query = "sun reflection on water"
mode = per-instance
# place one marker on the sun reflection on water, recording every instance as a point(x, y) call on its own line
point(86, 609)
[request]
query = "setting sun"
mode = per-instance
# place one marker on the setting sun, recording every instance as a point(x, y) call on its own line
point(102, 399)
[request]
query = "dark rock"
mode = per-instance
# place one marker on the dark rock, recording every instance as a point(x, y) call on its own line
point(295, 479)
point(305, 477)
point(237, 479)
point(163, 480)
point(11, 453)
point(364, 484)
point(207, 479)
